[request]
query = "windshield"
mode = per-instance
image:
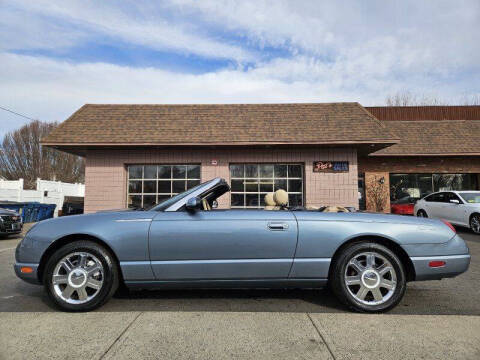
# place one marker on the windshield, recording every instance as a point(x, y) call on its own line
point(167, 202)
point(471, 197)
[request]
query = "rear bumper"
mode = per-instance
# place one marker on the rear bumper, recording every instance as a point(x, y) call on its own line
point(32, 277)
point(454, 265)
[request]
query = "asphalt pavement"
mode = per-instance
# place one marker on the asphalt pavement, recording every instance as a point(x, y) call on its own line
point(436, 319)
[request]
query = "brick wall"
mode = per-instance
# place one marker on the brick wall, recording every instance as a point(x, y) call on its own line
point(106, 174)
point(417, 164)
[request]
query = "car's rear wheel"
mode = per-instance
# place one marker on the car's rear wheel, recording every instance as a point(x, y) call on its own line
point(368, 277)
point(81, 276)
point(422, 213)
point(475, 223)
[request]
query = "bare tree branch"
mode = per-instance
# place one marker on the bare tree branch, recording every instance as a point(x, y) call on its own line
point(22, 156)
point(406, 98)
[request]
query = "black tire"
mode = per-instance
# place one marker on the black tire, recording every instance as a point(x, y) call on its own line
point(338, 274)
point(422, 213)
point(110, 275)
point(473, 226)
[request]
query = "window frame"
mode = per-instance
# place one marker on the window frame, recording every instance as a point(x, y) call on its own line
point(259, 178)
point(159, 196)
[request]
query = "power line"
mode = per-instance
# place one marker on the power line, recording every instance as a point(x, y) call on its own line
point(13, 112)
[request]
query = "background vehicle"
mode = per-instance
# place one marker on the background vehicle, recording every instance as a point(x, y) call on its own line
point(403, 206)
point(366, 258)
point(10, 222)
point(458, 207)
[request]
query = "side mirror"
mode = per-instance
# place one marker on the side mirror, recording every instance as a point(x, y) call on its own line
point(214, 204)
point(455, 201)
point(194, 203)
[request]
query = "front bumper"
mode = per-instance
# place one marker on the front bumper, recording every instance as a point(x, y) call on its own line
point(31, 277)
point(454, 265)
point(11, 228)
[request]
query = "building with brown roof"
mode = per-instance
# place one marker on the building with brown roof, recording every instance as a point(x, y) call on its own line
point(322, 154)
point(438, 149)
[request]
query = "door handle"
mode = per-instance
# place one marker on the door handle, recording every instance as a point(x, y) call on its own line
point(277, 226)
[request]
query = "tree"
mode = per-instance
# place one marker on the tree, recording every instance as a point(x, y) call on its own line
point(406, 98)
point(376, 192)
point(22, 156)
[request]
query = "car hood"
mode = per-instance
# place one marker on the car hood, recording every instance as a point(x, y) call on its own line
point(8, 212)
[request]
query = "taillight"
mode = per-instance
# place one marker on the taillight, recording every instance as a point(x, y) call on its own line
point(436, 263)
point(449, 225)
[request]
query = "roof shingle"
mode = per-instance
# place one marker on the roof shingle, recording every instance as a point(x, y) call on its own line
point(242, 124)
point(447, 137)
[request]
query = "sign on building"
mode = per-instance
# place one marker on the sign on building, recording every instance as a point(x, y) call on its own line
point(330, 166)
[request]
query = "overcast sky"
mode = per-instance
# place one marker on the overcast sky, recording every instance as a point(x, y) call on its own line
point(57, 55)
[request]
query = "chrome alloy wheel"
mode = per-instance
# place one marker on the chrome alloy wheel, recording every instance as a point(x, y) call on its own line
point(475, 224)
point(370, 278)
point(78, 277)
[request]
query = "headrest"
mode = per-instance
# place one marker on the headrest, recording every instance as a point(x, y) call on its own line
point(281, 197)
point(269, 201)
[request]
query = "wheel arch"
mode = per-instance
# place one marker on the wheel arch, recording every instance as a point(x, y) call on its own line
point(388, 243)
point(420, 209)
point(471, 215)
point(57, 244)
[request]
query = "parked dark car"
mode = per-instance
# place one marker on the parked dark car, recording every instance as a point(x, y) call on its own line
point(10, 222)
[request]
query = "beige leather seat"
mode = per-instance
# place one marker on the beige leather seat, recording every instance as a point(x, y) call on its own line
point(206, 206)
point(270, 202)
point(281, 198)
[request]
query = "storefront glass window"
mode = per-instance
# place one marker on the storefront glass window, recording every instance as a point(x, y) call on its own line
point(406, 188)
point(250, 183)
point(150, 184)
point(445, 182)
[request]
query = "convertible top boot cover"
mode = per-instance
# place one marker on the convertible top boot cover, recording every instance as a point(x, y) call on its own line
point(335, 209)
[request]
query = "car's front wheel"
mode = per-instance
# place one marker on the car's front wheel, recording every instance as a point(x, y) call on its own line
point(368, 277)
point(422, 213)
point(475, 223)
point(81, 276)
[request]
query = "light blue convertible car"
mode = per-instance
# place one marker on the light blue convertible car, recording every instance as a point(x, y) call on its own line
point(367, 259)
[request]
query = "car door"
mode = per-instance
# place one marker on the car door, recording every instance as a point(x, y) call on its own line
point(451, 211)
point(435, 206)
point(427, 204)
point(222, 244)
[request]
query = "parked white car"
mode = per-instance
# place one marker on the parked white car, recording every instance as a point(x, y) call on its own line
point(457, 207)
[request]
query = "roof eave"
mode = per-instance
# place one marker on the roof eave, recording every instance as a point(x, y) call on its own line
point(241, 143)
point(425, 154)
point(80, 149)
